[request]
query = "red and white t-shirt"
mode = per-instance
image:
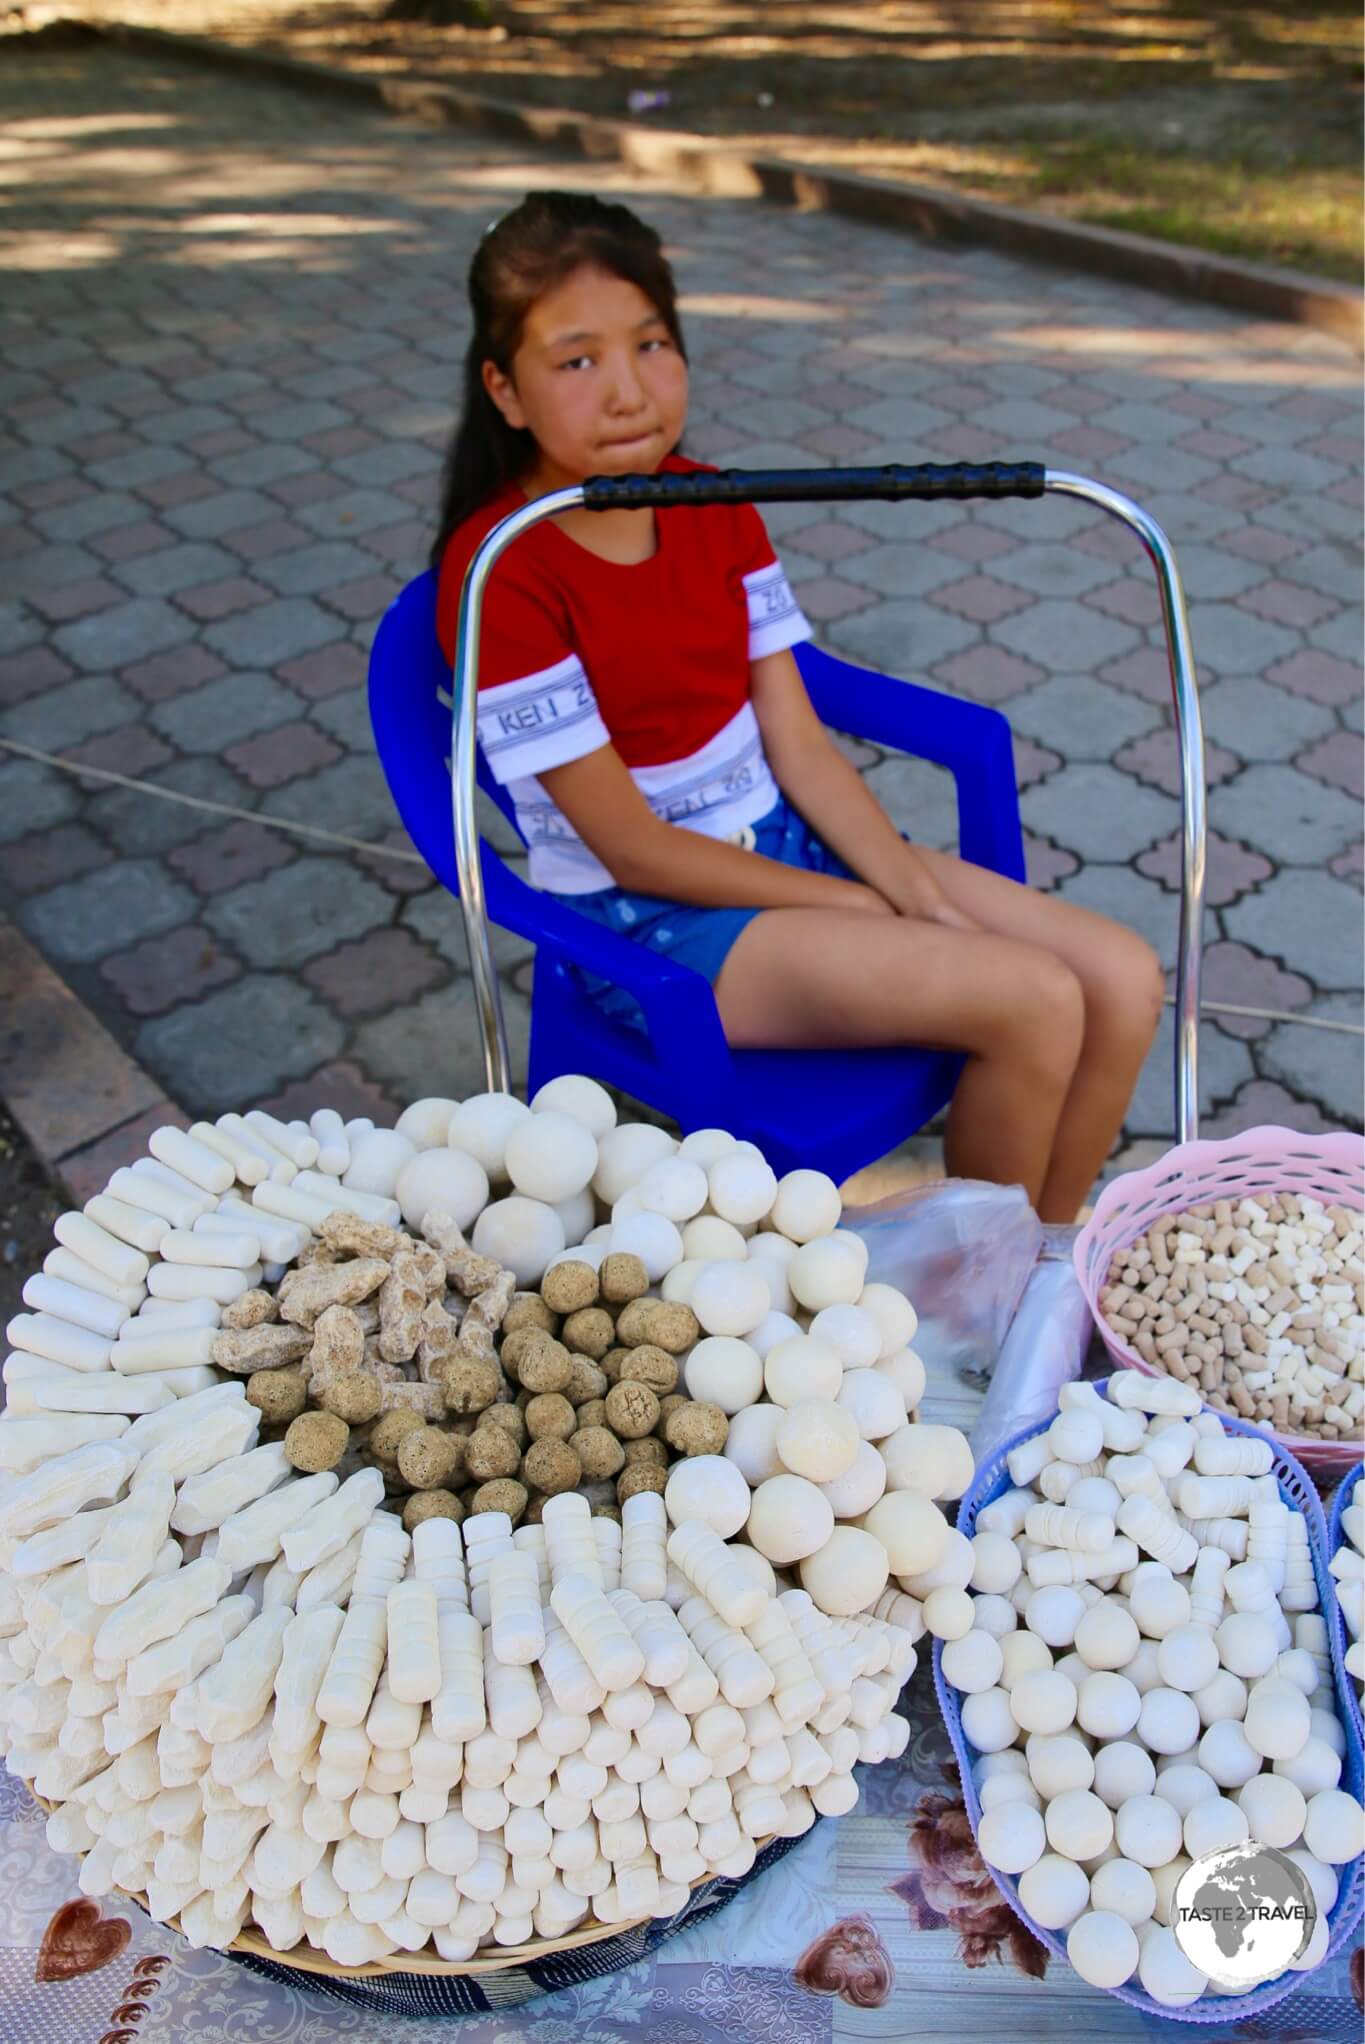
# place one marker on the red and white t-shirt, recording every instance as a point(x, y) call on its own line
point(576, 653)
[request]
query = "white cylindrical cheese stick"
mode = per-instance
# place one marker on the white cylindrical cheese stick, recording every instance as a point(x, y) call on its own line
point(458, 1710)
point(90, 1310)
point(159, 1316)
point(280, 1239)
point(218, 1252)
point(206, 1500)
point(25, 1444)
point(248, 1166)
point(334, 1151)
point(367, 1206)
point(301, 1150)
point(180, 1348)
point(289, 1205)
point(41, 1334)
point(348, 1687)
point(74, 1270)
point(414, 1654)
point(152, 1195)
point(279, 1168)
point(181, 1281)
point(126, 1222)
point(330, 1525)
point(100, 1391)
point(179, 1152)
point(122, 1264)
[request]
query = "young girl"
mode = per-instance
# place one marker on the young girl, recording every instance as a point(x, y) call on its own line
point(638, 695)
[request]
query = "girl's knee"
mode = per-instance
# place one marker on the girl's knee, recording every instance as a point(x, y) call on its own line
point(1128, 990)
point(1043, 1012)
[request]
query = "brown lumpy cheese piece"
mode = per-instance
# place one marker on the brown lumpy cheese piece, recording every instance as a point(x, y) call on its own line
point(432, 1266)
point(407, 1395)
point(696, 1428)
point(304, 1294)
point(338, 1345)
point(353, 1395)
point(569, 1286)
point(650, 1365)
point(545, 1368)
point(610, 1363)
point(402, 1297)
point(350, 1236)
point(549, 1416)
point(593, 1413)
point(512, 1418)
point(388, 1430)
point(470, 1386)
point(503, 1494)
point(585, 1382)
point(316, 1441)
point(429, 1459)
point(590, 1332)
point(622, 1278)
point(599, 1452)
point(550, 1466)
point(528, 1310)
point(438, 1341)
point(491, 1452)
point(632, 1410)
point(667, 1407)
point(647, 1449)
point(250, 1309)
point(431, 1504)
point(264, 1347)
point(632, 1322)
point(671, 1326)
point(638, 1476)
point(278, 1395)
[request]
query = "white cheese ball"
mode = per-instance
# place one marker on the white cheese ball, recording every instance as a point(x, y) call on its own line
point(906, 1371)
point(1278, 1719)
point(1011, 1837)
point(446, 1180)
point(817, 1439)
point(1187, 1658)
point(625, 1154)
point(1168, 1721)
point(576, 1214)
point(1023, 1652)
point(860, 1485)
point(705, 1145)
point(948, 1613)
point(1334, 1828)
point(936, 1460)
point(1054, 1612)
point(1157, 1601)
point(774, 1269)
point(581, 1099)
point(1126, 1888)
point(522, 1234)
point(1076, 1435)
point(1274, 1809)
point(708, 1488)
point(550, 1157)
point(751, 1443)
point(1316, 1766)
point(742, 1187)
point(853, 1331)
point(825, 1273)
point(1247, 1644)
point(1168, 1976)
point(806, 1204)
point(1058, 1763)
point(1108, 1706)
point(1211, 1825)
point(894, 1315)
point(1044, 1701)
point(426, 1122)
point(652, 1238)
point(996, 1566)
point(1184, 1784)
point(730, 1298)
point(1147, 1829)
point(988, 1721)
point(1079, 1825)
point(723, 1371)
point(1225, 1754)
point(1102, 1948)
point(377, 1161)
point(1054, 1891)
point(973, 1662)
point(789, 1520)
point(847, 1574)
point(1106, 1636)
point(1124, 1769)
point(708, 1239)
point(873, 1404)
point(800, 1368)
point(771, 1329)
point(952, 1570)
point(481, 1125)
point(912, 1530)
point(673, 1187)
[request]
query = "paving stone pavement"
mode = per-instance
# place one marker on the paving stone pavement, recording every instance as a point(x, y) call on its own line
point(230, 349)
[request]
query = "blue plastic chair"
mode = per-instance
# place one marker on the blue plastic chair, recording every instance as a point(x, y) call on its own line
point(834, 1110)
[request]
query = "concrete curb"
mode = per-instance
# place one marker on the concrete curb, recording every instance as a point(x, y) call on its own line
point(83, 1103)
point(717, 168)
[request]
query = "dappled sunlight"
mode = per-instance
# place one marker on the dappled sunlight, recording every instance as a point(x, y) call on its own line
point(80, 127)
point(740, 305)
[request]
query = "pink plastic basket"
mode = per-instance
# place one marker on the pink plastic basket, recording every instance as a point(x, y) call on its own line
point(1329, 1168)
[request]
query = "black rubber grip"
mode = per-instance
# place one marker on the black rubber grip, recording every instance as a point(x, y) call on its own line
point(928, 482)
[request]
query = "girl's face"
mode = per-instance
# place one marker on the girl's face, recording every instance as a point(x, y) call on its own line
point(597, 381)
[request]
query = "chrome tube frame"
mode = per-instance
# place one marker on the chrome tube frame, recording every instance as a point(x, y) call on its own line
point(1189, 733)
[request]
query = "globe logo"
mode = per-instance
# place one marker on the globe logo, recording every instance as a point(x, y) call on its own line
point(1243, 1914)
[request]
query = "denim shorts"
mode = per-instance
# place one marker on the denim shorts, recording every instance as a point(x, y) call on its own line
point(701, 938)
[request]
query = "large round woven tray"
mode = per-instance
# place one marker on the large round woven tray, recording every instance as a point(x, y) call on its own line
point(407, 1983)
point(993, 1478)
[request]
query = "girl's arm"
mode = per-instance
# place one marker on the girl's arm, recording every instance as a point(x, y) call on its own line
point(647, 856)
point(835, 800)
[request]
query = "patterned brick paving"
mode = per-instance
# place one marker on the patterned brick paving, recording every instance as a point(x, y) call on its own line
point(232, 338)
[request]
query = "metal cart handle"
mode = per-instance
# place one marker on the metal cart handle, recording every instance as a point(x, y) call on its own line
point(927, 482)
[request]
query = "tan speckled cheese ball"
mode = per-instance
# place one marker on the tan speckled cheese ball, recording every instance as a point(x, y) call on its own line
point(632, 1410)
point(667, 1407)
point(316, 1441)
point(696, 1428)
point(352, 1396)
point(638, 1476)
point(529, 1310)
point(586, 1382)
point(278, 1395)
point(569, 1286)
point(429, 1459)
point(550, 1467)
point(431, 1504)
point(599, 1452)
point(650, 1365)
point(548, 1367)
point(672, 1326)
point(622, 1278)
point(590, 1332)
point(387, 1432)
point(593, 1413)
point(550, 1417)
point(511, 1417)
point(648, 1449)
point(504, 1494)
point(491, 1452)
point(470, 1385)
point(610, 1363)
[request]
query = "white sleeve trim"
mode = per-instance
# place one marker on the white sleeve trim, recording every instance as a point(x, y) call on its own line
point(540, 721)
point(776, 619)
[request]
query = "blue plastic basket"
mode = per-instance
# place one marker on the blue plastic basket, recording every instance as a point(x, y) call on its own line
point(1297, 1489)
point(1336, 1624)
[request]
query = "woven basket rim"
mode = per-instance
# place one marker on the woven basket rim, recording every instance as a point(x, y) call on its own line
point(1337, 1149)
point(1345, 1493)
point(305, 1958)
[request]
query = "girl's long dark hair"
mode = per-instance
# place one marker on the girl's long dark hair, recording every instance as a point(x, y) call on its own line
point(527, 253)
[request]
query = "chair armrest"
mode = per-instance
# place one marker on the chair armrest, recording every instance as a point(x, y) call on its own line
point(678, 1004)
point(971, 740)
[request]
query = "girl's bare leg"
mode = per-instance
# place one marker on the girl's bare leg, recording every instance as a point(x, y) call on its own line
point(817, 978)
point(1123, 985)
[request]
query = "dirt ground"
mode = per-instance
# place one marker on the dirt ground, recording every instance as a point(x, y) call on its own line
point(1230, 127)
point(29, 1204)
